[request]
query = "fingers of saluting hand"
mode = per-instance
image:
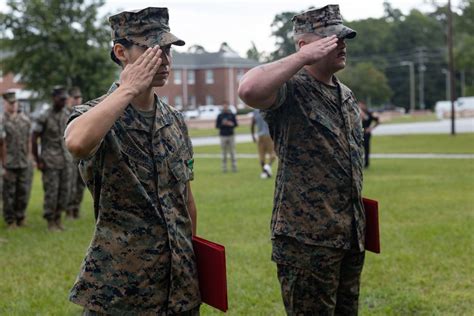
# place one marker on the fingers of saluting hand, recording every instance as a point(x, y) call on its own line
point(149, 60)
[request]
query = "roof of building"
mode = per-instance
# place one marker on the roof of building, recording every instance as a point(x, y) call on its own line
point(224, 58)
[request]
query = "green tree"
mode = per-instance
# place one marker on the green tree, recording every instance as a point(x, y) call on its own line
point(57, 42)
point(282, 29)
point(367, 82)
point(254, 54)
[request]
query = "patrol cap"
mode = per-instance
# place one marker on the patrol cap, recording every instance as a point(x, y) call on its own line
point(59, 91)
point(146, 27)
point(9, 96)
point(325, 21)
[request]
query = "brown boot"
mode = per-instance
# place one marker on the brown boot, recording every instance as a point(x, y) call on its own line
point(75, 213)
point(58, 224)
point(11, 226)
point(21, 222)
point(52, 226)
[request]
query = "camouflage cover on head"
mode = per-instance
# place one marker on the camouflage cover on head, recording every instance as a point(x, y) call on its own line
point(325, 21)
point(59, 91)
point(146, 27)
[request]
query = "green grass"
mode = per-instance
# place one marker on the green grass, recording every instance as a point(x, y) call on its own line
point(425, 268)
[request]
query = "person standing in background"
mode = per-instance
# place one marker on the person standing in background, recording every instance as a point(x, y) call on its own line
point(77, 185)
point(264, 143)
point(54, 158)
point(226, 122)
point(369, 123)
point(15, 160)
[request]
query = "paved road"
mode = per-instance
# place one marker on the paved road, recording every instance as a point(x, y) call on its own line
point(465, 125)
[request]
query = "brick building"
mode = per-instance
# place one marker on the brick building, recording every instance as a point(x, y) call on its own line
point(204, 78)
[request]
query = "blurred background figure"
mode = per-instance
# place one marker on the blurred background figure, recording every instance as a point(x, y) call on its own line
point(76, 183)
point(54, 158)
point(226, 123)
point(264, 144)
point(15, 153)
point(369, 122)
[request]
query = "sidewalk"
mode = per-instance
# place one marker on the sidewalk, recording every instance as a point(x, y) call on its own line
point(464, 125)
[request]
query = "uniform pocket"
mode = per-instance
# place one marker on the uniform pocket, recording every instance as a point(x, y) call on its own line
point(322, 119)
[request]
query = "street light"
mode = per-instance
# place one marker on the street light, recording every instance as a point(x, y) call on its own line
point(411, 65)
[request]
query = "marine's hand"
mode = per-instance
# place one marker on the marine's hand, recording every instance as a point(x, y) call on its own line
point(138, 76)
point(314, 51)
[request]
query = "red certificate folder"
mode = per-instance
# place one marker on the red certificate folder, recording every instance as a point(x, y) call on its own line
point(210, 258)
point(372, 233)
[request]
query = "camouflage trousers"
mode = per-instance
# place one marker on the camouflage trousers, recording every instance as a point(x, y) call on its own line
point(317, 280)
point(15, 194)
point(76, 190)
point(192, 312)
point(56, 192)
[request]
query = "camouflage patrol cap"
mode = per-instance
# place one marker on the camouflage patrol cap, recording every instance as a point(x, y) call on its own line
point(59, 91)
point(146, 27)
point(9, 96)
point(325, 21)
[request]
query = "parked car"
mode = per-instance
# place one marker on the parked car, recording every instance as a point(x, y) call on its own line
point(206, 112)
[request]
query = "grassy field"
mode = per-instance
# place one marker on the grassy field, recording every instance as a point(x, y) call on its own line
point(206, 132)
point(425, 268)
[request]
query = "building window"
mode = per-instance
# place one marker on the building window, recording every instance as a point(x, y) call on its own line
point(178, 101)
point(192, 101)
point(191, 76)
point(240, 74)
point(209, 76)
point(1, 75)
point(209, 99)
point(177, 76)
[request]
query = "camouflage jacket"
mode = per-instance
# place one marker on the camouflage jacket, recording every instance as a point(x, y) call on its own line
point(17, 137)
point(141, 259)
point(51, 125)
point(319, 142)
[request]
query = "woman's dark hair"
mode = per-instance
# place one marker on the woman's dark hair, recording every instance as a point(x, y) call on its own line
point(125, 43)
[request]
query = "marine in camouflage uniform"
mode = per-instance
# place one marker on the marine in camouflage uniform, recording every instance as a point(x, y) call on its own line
point(138, 168)
point(318, 221)
point(15, 160)
point(54, 158)
point(76, 183)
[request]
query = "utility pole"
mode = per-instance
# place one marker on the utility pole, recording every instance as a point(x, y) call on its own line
point(411, 66)
point(420, 53)
point(463, 83)
point(448, 83)
point(451, 67)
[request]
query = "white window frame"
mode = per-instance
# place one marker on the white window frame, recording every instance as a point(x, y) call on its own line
point(209, 76)
point(177, 76)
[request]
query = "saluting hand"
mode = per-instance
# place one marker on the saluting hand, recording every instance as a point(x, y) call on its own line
point(316, 50)
point(138, 76)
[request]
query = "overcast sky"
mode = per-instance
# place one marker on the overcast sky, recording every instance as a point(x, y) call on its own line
point(238, 22)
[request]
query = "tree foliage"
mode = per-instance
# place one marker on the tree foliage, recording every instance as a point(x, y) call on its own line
point(57, 42)
point(373, 89)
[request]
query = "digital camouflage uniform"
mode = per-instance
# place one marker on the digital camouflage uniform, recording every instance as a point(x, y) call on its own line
point(15, 190)
point(318, 221)
point(2, 137)
point(76, 192)
point(141, 259)
point(50, 125)
point(318, 210)
point(76, 187)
